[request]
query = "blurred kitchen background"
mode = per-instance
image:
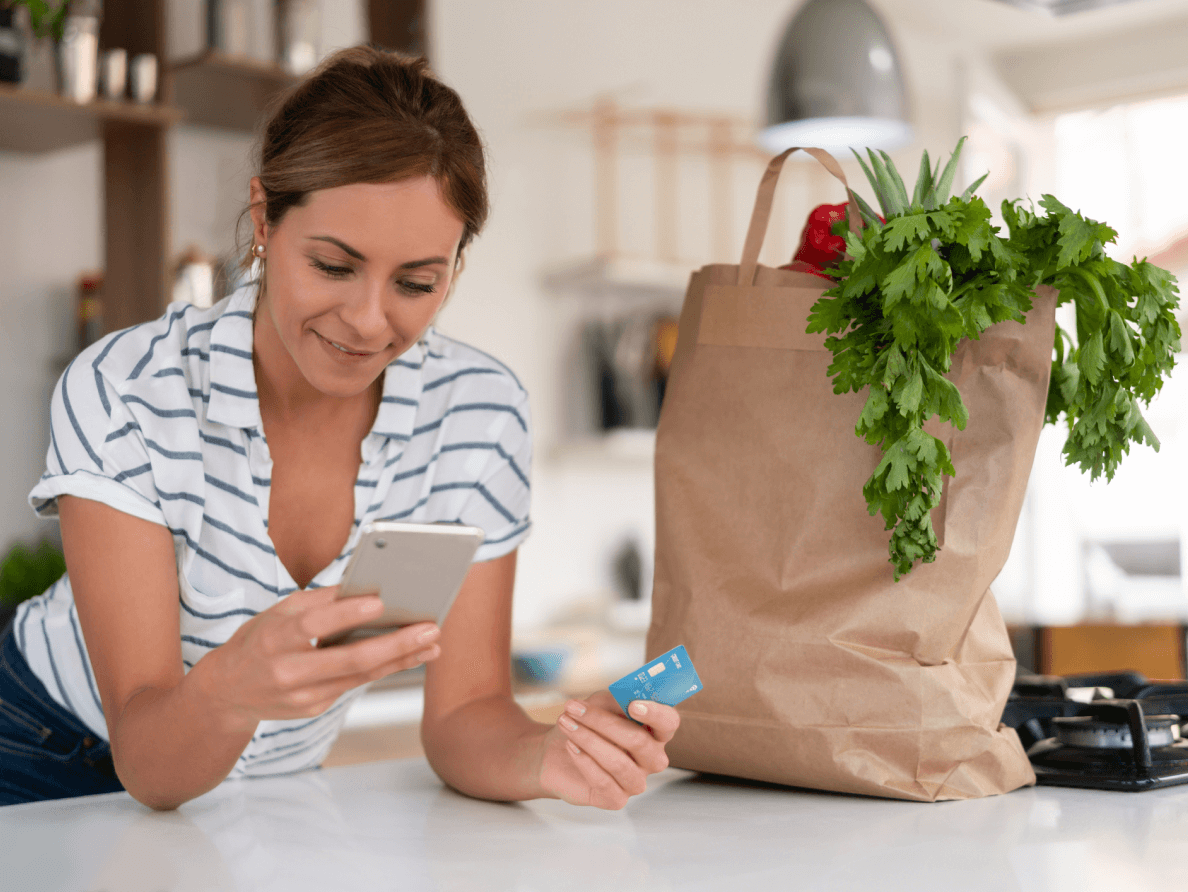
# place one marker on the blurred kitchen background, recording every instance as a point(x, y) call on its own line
point(623, 155)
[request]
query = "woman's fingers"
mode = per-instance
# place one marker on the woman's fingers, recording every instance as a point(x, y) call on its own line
point(625, 750)
point(315, 697)
point(371, 658)
point(605, 792)
point(308, 684)
point(661, 721)
point(643, 743)
point(328, 615)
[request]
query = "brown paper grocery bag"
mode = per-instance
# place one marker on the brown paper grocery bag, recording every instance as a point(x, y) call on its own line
point(819, 669)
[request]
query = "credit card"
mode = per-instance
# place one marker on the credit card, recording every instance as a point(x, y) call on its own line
point(668, 679)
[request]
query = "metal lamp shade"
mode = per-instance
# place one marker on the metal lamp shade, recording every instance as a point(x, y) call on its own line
point(836, 82)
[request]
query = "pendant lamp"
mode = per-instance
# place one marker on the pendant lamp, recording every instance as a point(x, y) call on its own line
point(836, 82)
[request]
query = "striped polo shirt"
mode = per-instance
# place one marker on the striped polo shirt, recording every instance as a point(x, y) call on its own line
point(162, 421)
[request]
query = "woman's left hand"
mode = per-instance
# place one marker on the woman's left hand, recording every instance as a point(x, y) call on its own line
point(595, 755)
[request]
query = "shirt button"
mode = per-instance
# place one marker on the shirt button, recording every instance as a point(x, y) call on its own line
point(88, 742)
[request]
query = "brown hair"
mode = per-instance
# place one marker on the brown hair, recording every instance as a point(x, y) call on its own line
point(370, 116)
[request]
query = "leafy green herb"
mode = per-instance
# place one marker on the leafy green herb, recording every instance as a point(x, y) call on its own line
point(937, 272)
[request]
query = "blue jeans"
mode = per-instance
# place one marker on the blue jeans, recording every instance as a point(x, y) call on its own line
point(45, 752)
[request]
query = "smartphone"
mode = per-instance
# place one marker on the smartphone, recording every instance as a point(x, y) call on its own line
point(415, 568)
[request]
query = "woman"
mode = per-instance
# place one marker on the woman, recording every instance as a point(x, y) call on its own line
point(211, 471)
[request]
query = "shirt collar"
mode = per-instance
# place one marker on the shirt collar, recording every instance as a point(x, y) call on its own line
point(234, 401)
point(403, 382)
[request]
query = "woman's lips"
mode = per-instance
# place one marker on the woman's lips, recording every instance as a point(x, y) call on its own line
point(344, 350)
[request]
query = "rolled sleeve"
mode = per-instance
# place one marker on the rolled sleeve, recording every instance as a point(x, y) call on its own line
point(97, 449)
point(501, 499)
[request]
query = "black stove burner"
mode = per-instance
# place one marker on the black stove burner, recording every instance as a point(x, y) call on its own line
point(1078, 735)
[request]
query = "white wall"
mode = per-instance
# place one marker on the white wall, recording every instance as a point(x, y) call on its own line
point(50, 232)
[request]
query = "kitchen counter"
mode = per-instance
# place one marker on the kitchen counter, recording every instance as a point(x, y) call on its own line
point(392, 825)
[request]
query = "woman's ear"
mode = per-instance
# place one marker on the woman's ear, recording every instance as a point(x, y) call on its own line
point(259, 211)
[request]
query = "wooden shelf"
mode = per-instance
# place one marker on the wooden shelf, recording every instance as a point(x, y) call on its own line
point(230, 92)
point(33, 121)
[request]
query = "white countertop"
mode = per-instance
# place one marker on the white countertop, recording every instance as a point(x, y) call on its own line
point(392, 825)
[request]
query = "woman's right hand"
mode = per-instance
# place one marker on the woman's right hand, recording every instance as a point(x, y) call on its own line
point(271, 668)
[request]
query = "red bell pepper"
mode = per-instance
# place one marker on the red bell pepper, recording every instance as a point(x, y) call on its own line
point(819, 246)
point(822, 241)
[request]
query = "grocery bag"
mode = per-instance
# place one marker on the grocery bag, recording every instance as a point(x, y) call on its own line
point(819, 669)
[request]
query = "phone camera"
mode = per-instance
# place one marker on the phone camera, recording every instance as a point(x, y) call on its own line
point(381, 543)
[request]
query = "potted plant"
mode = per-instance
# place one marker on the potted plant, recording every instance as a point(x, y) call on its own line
point(73, 26)
point(25, 573)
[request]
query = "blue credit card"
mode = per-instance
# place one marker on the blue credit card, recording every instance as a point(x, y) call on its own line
point(668, 679)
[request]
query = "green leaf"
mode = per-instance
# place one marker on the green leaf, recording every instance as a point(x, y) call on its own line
point(901, 193)
point(908, 228)
point(874, 410)
point(885, 192)
point(897, 285)
point(868, 213)
point(1120, 338)
point(945, 184)
point(1078, 236)
point(923, 181)
point(1091, 358)
point(870, 177)
point(973, 187)
point(908, 391)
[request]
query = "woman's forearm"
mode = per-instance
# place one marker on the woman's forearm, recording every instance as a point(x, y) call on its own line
point(171, 745)
point(489, 749)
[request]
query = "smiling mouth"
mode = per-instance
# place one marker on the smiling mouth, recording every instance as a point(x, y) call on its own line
point(343, 349)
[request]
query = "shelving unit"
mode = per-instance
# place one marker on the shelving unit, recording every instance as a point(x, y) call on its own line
point(210, 89)
point(33, 121)
point(231, 92)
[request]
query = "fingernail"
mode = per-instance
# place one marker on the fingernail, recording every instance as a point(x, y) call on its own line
point(638, 708)
point(429, 653)
point(573, 748)
point(567, 723)
point(428, 635)
point(576, 707)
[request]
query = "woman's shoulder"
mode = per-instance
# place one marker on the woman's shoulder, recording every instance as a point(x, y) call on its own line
point(144, 357)
point(465, 370)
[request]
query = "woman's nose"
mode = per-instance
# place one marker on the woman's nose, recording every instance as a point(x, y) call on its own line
point(364, 312)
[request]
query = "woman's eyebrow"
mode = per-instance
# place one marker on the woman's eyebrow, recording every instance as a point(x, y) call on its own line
point(412, 264)
point(341, 244)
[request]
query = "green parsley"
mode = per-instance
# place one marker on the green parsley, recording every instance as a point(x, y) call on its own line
point(937, 272)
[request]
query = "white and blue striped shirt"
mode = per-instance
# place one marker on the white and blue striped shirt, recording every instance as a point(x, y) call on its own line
point(162, 421)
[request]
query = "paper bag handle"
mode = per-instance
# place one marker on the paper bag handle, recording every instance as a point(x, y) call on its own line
point(763, 201)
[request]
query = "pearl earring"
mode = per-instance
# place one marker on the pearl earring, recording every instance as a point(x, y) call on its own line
point(258, 250)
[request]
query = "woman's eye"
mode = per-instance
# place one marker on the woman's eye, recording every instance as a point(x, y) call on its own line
point(418, 287)
point(334, 272)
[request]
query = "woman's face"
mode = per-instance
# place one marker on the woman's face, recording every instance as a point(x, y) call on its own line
point(354, 276)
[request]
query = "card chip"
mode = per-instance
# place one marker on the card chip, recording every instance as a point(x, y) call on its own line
point(656, 670)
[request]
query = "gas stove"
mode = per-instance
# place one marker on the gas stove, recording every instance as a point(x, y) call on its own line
point(1114, 731)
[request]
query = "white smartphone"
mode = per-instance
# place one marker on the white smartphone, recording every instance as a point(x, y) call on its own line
point(415, 568)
